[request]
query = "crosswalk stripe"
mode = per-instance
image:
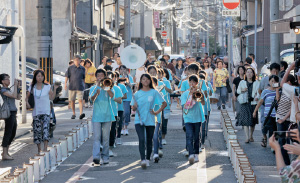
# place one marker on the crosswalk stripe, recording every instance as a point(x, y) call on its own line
point(201, 168)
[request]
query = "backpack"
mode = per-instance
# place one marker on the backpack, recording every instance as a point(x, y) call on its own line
point(4, 108)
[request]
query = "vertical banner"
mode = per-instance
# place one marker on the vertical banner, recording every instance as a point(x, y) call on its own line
point(156, 19)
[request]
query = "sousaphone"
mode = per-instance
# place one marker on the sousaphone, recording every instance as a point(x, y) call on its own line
point(133, 56)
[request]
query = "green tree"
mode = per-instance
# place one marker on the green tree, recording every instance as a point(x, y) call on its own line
point(212, 44)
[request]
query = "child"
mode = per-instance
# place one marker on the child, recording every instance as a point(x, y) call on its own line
point(117, 99)
point(121, 84)
point(193, 117)
point(157, 138)
point(143, 103)
point(102, 117)
point(126, 102)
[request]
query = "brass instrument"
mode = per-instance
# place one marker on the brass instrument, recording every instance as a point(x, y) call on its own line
point(106, 84)
point(93, 93)
point(197, 96)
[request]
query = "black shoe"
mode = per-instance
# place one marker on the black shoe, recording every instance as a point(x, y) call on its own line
point(73, 117)
point(219, 108)
point(96, 162)
point(223, 106)
point(184, 128)
point(82, 116)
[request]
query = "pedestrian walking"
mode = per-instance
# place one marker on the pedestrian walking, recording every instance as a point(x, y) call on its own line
point(76, 77)
point(102, 117)
point(219, 83)
point(90, 79)
point(42, 94)
point(209, 71)
point(248, 98)
point(10, 97)
point(193, 118)
point(143, 103)
point(126, 102)
point(267, 97)
point(241, 70)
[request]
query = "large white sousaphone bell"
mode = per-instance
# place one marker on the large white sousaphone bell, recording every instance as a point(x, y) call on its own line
point(133, 56)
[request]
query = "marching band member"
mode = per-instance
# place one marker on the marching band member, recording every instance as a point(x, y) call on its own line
point(166, 112)
point(205, 107)
point(193, 117)
point(157, 137)
point(102, 117)
point(117, 99)
point(143, 103)
point(126, 102)
point(121, 84)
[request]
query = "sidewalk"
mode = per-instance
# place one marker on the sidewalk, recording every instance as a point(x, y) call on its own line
point(261, 159)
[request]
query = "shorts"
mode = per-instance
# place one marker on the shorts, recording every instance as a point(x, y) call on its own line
point(74, 93)
point(41, 125)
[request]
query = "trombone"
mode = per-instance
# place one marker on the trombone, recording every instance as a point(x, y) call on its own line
point(198, 96)
point(106, 84)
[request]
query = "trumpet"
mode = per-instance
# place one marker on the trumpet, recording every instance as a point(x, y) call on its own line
point(106, 84)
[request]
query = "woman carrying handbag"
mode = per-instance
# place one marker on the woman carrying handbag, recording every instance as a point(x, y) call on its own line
point(11, 122)
point(248, 97)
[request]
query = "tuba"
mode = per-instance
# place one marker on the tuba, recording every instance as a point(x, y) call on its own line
point(133, 56)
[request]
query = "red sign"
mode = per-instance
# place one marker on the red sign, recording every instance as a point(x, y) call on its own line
point(231, 4)
point(156, 19)
point(164, 33)
point(203, 45)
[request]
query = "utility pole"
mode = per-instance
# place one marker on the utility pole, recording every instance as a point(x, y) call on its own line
point(117, 17)
point(127, 23)
point(142, 25)
point(207, 34)
point(274, 38)
point(174, 47)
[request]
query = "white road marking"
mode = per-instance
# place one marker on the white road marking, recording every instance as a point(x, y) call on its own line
point(201, 168)
point(14, 148)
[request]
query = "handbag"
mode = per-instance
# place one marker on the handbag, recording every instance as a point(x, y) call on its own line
point(243, 98)
point(4, 109)
point(31, 99)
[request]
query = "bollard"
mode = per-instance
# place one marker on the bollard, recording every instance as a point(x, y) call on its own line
point(81, 134)
point(22, 174)
point(86, 131)
point(70, 143)
point(57, 147)
point(53, 162)
point(76, 130)
point(12, 178)
point(4, 172)
point(47, 161)
point(36, 169)
point(64, 148)
point(29, 172)
point(42, 165)
point(90, 124)
point(74, 135)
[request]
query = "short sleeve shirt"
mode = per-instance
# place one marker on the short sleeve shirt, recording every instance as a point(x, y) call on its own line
point(220, 75)
point(41, 100)
point(76, 77)
point(236, 82)
point(114, 104)
point(167, 94)
point(195, 114)
point(146, 101)
point(102, 110)
point(124, 91)
point(268, 96)
point(88, 77)
point(10, 101)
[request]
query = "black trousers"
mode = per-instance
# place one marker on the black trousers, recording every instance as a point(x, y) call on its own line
point(140, 130)
point(282, 141)
point(112, 136)
point(10, 129)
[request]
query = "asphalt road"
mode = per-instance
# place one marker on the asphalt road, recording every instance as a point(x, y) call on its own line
point(214, 165)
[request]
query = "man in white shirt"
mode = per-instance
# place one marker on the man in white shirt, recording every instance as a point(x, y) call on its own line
point(103, 63)
point(253, 64)
point(116, 62)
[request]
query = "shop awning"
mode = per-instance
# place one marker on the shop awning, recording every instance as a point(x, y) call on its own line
point(83, 35)
point(110, 36)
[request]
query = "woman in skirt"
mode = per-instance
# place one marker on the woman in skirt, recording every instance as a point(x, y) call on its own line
point(248, 98)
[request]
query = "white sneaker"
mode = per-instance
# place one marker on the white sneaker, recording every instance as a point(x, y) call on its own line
point(155, 158)
point(164, 142)
point(119, 141)
point(200, 149)
point(185, 153)
point(86, 105)
point(147, 163)
point(143, 164)
point(160, 153)
point(111, 154)
point(122, 132)
point(196, 158)
point(126, 132)
point(191, 159)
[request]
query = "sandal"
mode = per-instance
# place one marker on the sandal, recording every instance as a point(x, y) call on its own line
point(264, 142)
